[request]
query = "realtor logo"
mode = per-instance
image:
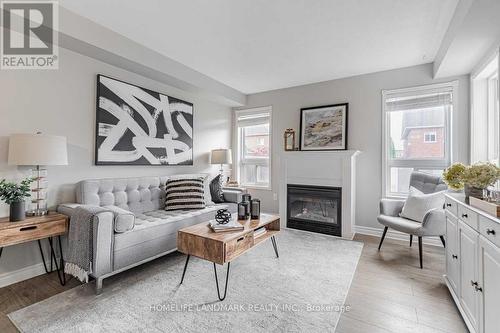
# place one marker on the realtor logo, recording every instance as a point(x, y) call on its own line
point(29, 35)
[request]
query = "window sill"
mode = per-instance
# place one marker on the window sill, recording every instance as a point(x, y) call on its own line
point(256, 187)
point(396, 197)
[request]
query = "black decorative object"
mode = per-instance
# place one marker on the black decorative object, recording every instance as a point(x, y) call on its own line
point(255, 209)
point(324, 127)
point(137, 126)
point(216, 190)
point(243, 210)
point(223, 216)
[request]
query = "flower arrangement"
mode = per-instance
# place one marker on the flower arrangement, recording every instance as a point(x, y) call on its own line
point(453, 176)
point(479, 175)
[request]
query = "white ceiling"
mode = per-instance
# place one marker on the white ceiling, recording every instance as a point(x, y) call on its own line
point(259, 45)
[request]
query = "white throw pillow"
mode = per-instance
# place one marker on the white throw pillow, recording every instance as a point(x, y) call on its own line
point(418, 204)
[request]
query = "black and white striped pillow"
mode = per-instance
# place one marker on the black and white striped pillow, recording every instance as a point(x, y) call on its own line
point(183, 194)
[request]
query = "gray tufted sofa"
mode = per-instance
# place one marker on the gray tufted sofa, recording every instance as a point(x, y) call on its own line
point(136, 228)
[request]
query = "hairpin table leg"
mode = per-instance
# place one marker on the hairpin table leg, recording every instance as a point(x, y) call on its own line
point(275, 246)
point(217, 282)
point(185, 267)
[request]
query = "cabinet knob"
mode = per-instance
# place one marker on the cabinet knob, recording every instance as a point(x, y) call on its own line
point(477, 288)
point(454, 256)
point(465, 215)
point(490, 232)
point(473, 283)
point(448, 204)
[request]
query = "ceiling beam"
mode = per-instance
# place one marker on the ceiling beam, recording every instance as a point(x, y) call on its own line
point(81, 35)
point(474, 31)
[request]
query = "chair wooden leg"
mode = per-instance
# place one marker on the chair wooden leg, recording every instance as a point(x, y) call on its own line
point(382, 239)
point(411, 239)
point(442, 241)
point(420, 251)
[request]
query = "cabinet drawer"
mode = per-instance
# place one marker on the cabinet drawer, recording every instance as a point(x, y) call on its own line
point(26, 233)
point(237, 246)
point(490, 230)
point(468, 217)
point(451, 206)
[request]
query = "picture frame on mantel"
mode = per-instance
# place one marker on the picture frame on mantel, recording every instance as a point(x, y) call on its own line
point(324, 128)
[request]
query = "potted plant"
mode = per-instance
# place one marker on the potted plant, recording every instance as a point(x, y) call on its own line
point(14, 195)
point(474, 179)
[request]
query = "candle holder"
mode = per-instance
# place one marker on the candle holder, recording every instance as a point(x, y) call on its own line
point(255, 209)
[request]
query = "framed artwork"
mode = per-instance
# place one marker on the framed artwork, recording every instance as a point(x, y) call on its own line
point(137, 126)
point(324, 127)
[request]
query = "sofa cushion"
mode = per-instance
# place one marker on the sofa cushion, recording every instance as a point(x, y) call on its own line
point(401, 224)
point(124, 219)
point(185, 193)
point(160, 223)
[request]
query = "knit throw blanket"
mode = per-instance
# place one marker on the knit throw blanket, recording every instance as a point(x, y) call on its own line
point(78, 257)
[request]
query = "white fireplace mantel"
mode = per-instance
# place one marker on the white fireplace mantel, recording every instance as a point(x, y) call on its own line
point(322, 168)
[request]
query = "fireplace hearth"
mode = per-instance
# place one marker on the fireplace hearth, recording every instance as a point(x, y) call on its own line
point(314, 208)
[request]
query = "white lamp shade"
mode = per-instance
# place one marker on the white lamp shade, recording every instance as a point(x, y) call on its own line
point(221, 156)
point(37, 149)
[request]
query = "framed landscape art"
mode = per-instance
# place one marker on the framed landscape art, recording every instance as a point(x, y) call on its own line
point(324, 127)
point(137, 126)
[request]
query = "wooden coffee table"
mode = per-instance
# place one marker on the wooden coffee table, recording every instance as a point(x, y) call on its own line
point(223, 247)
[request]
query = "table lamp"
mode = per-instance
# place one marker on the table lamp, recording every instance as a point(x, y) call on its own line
point(38, 150)
point(221, 156)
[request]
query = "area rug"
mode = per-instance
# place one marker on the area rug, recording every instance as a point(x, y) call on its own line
point(301, 291)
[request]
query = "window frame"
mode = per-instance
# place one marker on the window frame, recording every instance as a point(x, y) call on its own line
point(493, 91)
point(416, 164)
point(238, 143)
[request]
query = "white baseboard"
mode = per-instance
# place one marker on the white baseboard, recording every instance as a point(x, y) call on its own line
point(393, 234)
point(21, 274)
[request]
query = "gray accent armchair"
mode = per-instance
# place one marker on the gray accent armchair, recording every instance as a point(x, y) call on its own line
point(434, 223)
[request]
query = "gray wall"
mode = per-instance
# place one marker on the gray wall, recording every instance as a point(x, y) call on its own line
point(62, 102)
point(363, 93)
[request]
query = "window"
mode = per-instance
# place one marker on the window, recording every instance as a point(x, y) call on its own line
point(485, 113)
point(417, 134)
point(253, 128)
point(430, 137)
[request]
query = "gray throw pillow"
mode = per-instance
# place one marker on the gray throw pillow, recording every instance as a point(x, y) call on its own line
point(418, 204)
point(216, 190)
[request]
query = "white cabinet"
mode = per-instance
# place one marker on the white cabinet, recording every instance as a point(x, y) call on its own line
point(452, 263)
point(489, 286)
point(473, 264)
point(468, 240)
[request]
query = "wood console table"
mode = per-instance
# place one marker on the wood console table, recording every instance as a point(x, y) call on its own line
point(222, 247)
point(37, 228)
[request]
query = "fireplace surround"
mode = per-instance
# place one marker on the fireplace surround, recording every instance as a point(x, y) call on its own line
point(315, 208)
point(321, 168)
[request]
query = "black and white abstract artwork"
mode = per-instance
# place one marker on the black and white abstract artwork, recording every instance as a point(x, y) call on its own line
point(137, 126)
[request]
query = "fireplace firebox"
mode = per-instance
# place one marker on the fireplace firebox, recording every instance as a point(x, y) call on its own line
point(315, 208)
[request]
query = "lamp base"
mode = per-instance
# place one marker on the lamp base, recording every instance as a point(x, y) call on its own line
point(38, 212)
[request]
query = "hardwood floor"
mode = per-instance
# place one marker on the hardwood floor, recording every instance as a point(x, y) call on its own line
point(22, 294)
point(389, 292)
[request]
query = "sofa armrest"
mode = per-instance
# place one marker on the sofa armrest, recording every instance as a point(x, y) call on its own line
point(103, 225)
point(233, 195)
point(391, 207)
point(124, 220)
point(434, 223)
